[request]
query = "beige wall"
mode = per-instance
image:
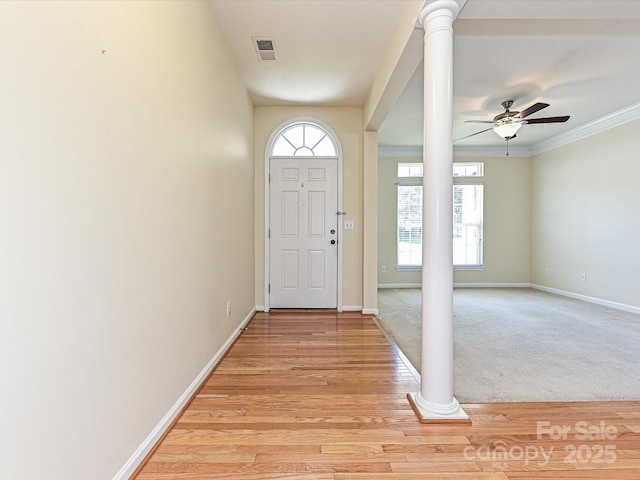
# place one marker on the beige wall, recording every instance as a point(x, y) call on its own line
point(387, 223)
point(586, 216)
point(402, 56)
point(347, 124)
point(126, 205)
point(506, 223)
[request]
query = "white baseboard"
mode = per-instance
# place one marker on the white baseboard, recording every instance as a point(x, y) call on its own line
point(352, 308)
point(139, 455)
point(346, 308)
point(585, 298)
point(399, 285)
point(564, 293)
point(458, 285)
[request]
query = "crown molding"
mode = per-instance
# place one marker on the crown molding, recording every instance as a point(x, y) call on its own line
point(491, 151)
point(615, 119)
point(400, 151)
point(612, 120)
point(415, 151)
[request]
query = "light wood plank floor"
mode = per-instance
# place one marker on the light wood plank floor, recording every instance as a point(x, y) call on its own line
point(322, 395)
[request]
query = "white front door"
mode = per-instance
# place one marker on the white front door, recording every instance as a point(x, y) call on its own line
point(303, 245)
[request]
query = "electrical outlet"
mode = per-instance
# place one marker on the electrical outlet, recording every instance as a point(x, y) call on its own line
point(228, 308)
point(546, 271)
point(583, 277)
point(383, 269)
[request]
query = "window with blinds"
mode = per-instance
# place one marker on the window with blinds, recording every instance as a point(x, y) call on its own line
point(468, 216)
point(409, 225)
point(468, 203)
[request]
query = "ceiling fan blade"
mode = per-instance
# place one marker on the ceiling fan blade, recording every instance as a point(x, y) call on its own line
point(547, 120)
point(536, 107)
point(473, 134)
point(479, 121)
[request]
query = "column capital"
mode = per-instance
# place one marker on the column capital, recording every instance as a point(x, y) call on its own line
point(430, 6)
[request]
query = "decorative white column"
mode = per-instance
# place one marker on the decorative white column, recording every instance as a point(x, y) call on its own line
point(435, 401)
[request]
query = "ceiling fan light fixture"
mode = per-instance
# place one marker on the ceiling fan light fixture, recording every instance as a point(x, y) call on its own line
point(507, 130)
point(506, 124)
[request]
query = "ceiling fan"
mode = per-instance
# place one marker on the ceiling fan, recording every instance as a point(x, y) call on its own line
point(506, 124)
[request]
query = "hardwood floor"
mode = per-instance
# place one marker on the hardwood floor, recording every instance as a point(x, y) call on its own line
point(322, 395)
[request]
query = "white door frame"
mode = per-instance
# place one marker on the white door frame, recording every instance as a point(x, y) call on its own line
point(267, 187)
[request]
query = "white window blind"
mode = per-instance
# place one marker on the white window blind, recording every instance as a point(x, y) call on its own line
point(468, 219)
point(409, 225)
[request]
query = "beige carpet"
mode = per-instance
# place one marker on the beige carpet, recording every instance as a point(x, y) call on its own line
point(524, 345)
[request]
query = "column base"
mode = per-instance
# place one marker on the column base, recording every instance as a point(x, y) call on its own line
point(431, 413)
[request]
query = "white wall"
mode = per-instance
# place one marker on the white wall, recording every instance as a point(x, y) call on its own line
point(506, 223)
point(126, 212)
point(346, 122)
point(586, 216)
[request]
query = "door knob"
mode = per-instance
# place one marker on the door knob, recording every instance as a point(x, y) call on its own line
point(333, 242)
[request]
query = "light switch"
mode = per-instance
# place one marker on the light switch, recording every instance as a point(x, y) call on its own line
point(348, 224)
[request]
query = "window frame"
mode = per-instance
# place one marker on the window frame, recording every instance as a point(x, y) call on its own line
point(472, 266)
point(301, 143)
point(476, 179)
point(405, 267)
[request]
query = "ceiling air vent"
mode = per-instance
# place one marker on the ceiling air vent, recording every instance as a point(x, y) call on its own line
point(265, 48)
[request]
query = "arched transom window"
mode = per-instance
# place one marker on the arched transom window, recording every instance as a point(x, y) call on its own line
point(304, 139)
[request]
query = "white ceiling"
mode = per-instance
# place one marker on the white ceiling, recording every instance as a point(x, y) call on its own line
point(328, 50)
point(580, 56)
